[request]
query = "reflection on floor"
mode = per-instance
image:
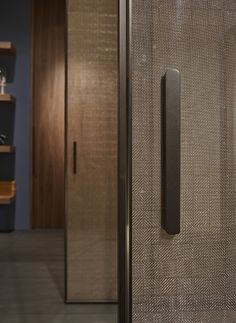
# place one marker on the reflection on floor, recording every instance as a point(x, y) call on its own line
point(32, 282)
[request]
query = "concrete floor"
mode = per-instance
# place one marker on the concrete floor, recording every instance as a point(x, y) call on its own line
point(32, 282)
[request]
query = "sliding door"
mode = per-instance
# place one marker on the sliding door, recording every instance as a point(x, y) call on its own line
point(188, 275)
point(91, 172)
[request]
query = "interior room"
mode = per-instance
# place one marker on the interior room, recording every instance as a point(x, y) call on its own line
point(58, 161)
point(117, 161)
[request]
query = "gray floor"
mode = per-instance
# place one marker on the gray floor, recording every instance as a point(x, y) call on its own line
point(32, 282)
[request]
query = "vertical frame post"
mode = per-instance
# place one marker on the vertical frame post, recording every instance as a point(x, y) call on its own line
point(124, 165)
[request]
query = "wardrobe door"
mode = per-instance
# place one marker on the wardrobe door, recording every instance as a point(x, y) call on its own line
point(183, 273)
point(48, 114)
point(91, 172)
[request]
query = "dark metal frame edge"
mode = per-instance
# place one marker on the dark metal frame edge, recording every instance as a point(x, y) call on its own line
point(124, 164)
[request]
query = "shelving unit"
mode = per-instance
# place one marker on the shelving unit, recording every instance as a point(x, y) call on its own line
point(7, 48)
point(7, 192)
point(7, 183)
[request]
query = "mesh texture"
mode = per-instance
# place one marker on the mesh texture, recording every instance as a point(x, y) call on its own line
point(189, 277)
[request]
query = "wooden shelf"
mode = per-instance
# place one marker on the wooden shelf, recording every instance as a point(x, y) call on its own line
point(7, 98)
point(7, 149)
point(7, 48)
point(7, 192)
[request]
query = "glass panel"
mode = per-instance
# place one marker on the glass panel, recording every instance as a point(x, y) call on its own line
point(189, 277)
point(92, 151)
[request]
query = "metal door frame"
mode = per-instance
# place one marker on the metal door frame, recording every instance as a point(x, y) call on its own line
point(124, 165)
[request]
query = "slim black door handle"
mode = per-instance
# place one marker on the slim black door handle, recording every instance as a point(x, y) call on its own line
point(74, 157)
point(34, 153)
point(171, 151)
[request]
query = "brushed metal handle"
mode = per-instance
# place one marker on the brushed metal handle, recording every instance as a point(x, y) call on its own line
point(74, 157)
point(172, 110)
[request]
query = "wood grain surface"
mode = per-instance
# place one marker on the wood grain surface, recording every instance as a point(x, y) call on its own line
point(7, 98)
point(4, 149)
point(7, 192)
point(7, 48)
point(48, 114)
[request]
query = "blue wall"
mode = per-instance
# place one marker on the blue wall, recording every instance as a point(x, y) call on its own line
point(15, 26)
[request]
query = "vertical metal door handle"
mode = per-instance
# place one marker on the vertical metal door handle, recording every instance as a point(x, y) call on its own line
point(74, 157)
point(34, 153)
point(172, 109)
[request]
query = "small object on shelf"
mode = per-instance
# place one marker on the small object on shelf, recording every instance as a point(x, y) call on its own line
point(3, 139)
point(3, 80)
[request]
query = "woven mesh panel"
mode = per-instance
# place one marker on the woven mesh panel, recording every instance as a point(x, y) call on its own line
point(190, 277)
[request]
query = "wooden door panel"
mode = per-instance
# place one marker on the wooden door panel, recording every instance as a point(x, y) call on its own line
point(48, 113)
